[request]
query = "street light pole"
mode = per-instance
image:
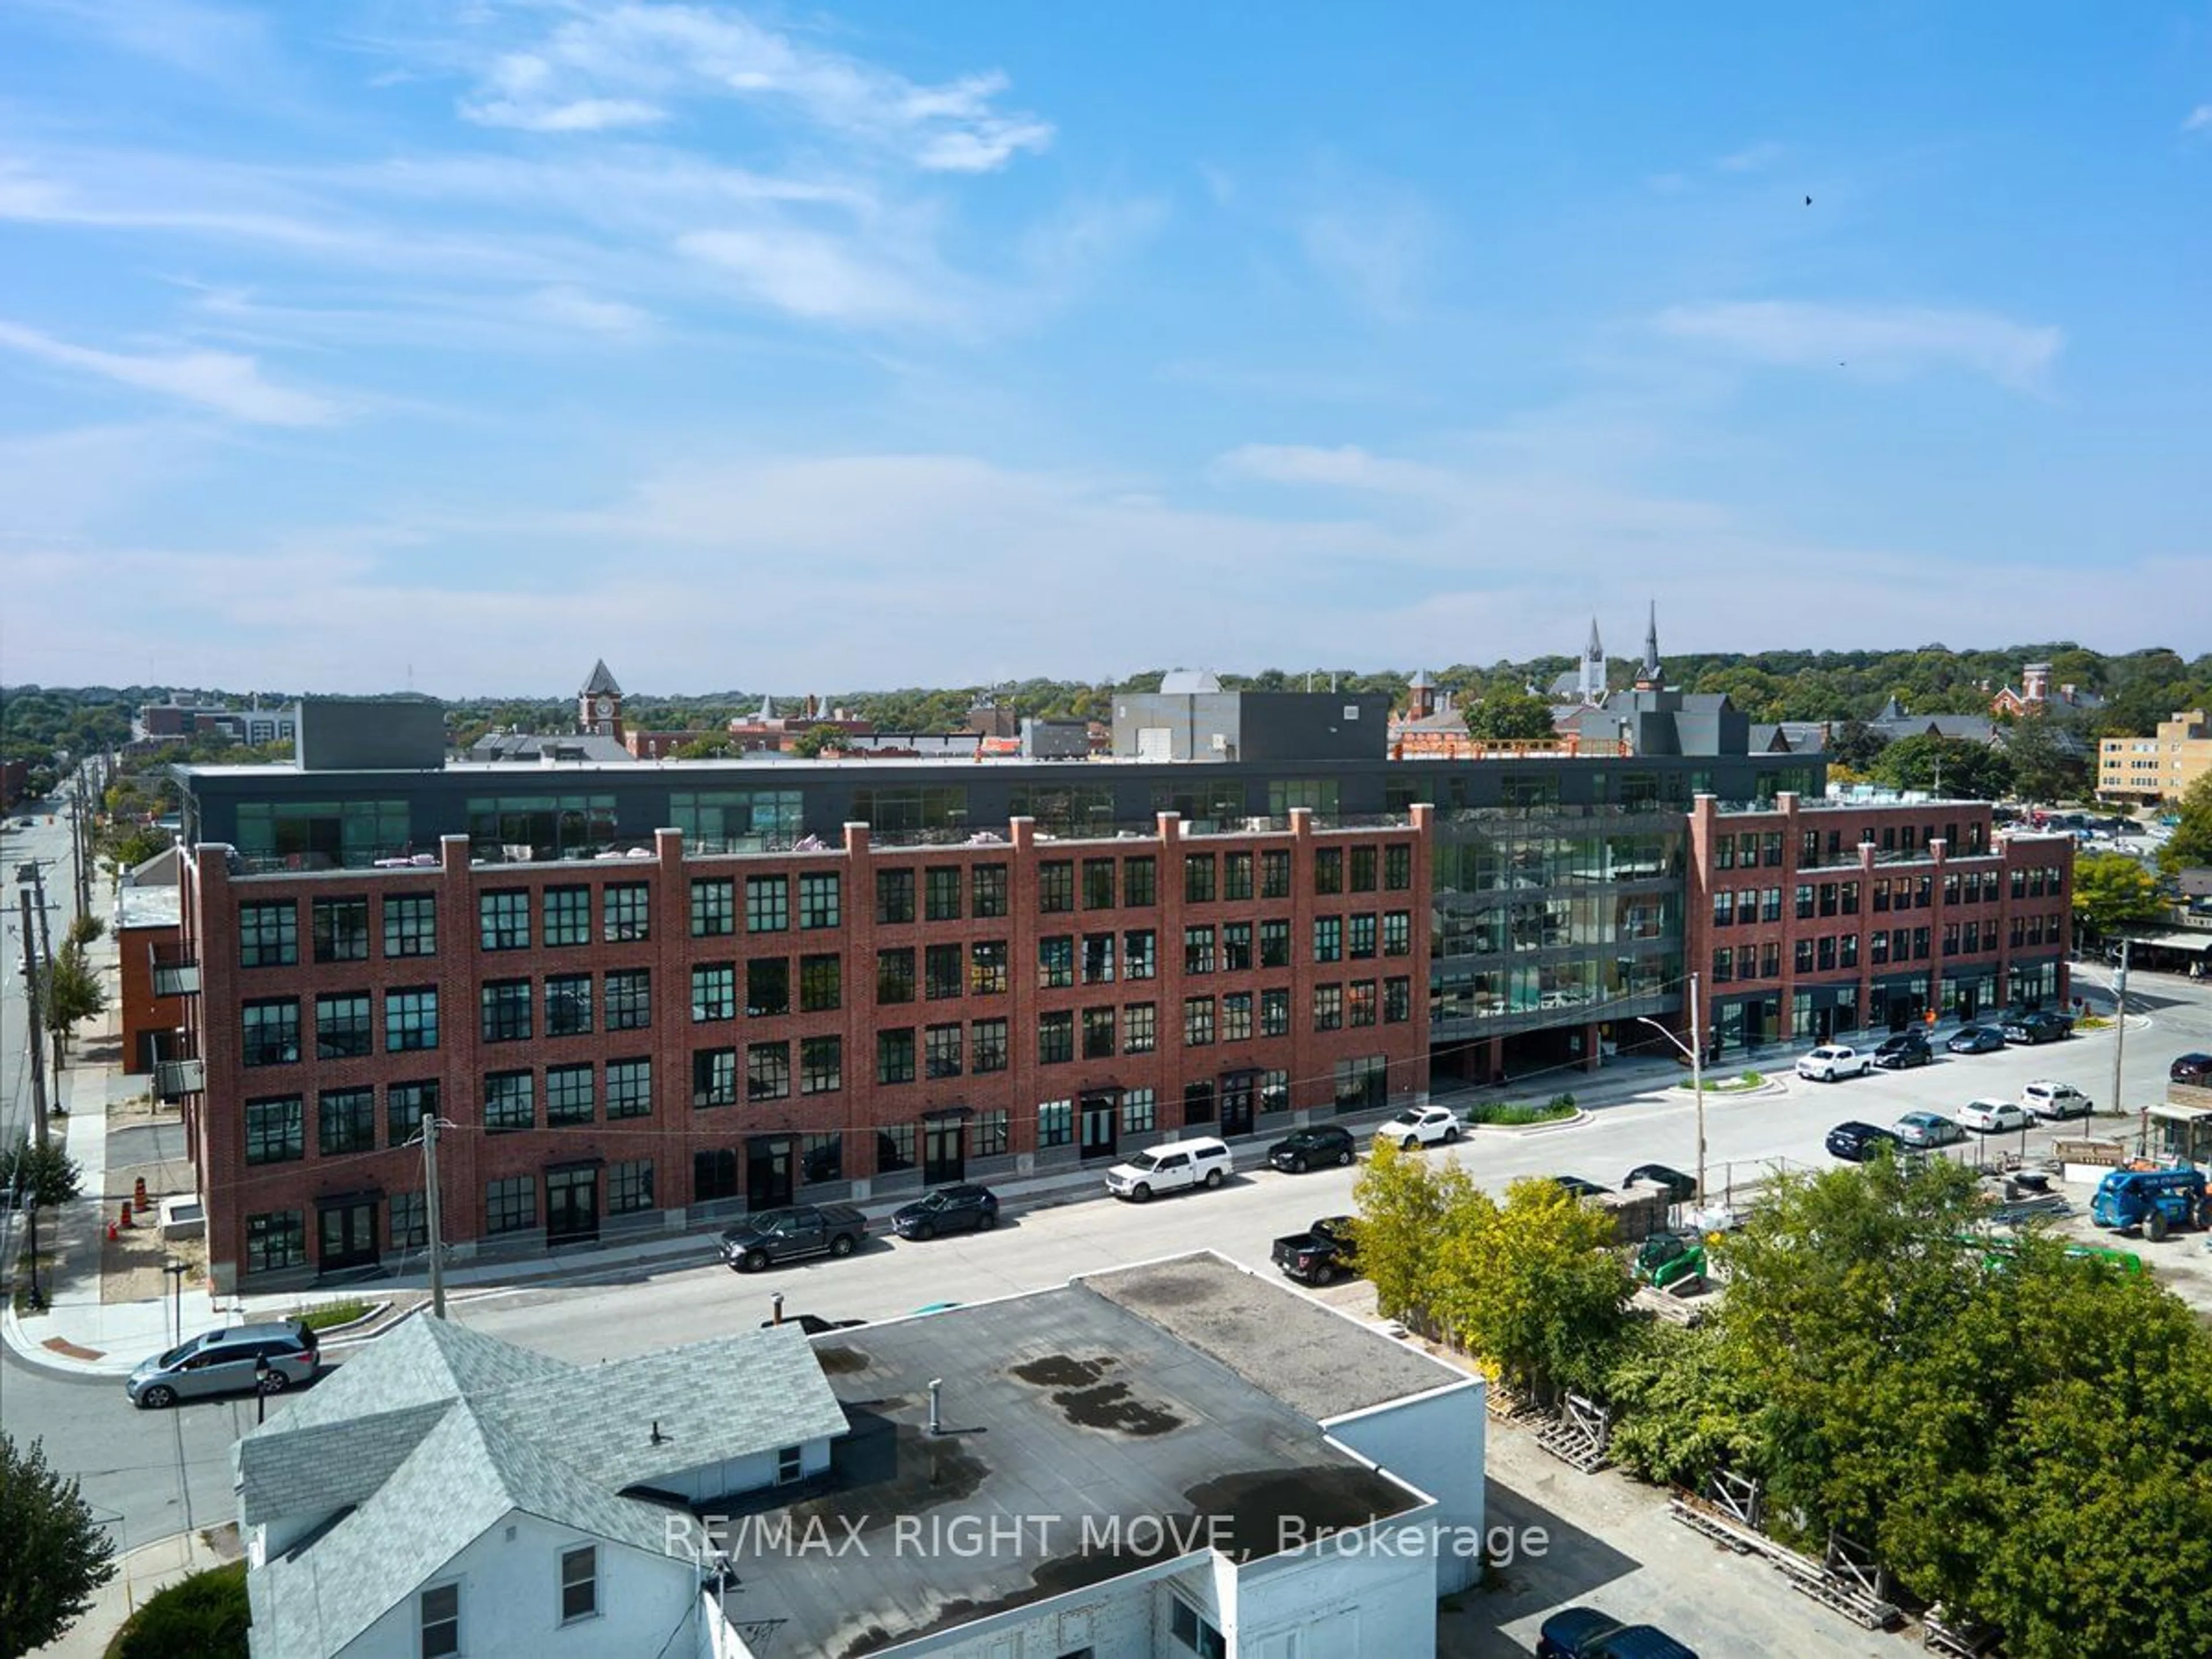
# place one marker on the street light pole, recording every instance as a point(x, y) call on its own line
point(1693, 1051)
point(2120, 1038)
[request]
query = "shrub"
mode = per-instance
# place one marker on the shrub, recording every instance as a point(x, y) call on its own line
point(1506, 1115)
point(205, 1616)
point(334, 1313)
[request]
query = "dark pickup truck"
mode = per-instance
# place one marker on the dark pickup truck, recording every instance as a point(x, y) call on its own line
point(804, 1230)
point(1322, 1254)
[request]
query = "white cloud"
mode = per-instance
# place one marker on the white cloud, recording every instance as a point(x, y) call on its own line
point(2198, 118)
point(812, 275)
point(223, 382)
point(1752, 158)
point(588, 313)
point(1881, 340)
point(622, 65)
point(1376, 240)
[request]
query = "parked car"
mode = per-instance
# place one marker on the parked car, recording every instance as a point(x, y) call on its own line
point(965, 1208)
point(1319, 1255)
point(1202, 1161)
point(2039, 1026)
point(1976, 1039)
point(1921, 1129)
point(1680, 1188)
point(242, 1359)
point(2191, 1068)
point(1589, 1633)
point(1905, 1048)
point(2055, 1101)
point(1993, 1117)
point(1305, 1149)
point(1834, 1060)
point(1858, 1142)
point(1580, 1188)
point(804, 1230)
point(1419, 1125)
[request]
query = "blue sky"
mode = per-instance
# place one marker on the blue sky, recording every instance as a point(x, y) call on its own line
point(345, 346)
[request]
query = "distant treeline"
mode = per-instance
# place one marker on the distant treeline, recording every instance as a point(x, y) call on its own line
point(2140, 689)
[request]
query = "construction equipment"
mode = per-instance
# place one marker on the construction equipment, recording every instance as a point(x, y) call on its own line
point(2156, 1201)
point(1671, 1262)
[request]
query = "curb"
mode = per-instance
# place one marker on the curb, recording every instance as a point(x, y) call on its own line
point(1767, 1088)
point(1579, 1118)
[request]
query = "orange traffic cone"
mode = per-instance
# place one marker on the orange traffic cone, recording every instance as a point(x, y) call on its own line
point(138, 1196)
point(125, 1222)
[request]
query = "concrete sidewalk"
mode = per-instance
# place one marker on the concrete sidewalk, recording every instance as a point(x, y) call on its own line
point(138, 1575)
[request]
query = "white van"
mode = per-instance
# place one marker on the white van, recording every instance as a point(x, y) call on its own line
point(1202, 1161)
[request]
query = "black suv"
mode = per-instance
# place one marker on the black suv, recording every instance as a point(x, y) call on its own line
point(966, 1208)
point(2037, 1026)
point(1907, 1048)
point(1858, 1142)
point(2191, 1068)
point(1305, 1149)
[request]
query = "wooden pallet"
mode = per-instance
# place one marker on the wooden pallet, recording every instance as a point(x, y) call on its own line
point(1806, 1576)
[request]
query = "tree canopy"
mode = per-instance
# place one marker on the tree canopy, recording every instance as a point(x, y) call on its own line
point(38, 1170)
point(2191, 846)
point(56, 1555)
point(1508, 715)
point(1945, 766)
point(2111, 889)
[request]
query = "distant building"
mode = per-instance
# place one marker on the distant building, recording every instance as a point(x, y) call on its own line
point(2035, 696)
point(172, 721)
point(2148, 770)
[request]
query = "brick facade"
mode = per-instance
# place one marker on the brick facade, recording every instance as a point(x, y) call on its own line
point(334, 1182)
point(1809, 919)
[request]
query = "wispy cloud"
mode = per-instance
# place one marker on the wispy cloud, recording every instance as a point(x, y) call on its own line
point(1752, 158)
point(628, 66)
point(1894, 340)
point(219, 42)
point(222, 381)
point(1375, 239)
point(813, 275)
point(589, 314)
point(2198, 119)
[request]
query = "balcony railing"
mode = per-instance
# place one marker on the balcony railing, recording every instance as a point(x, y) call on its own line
point(173, 1079)
point(176, 970)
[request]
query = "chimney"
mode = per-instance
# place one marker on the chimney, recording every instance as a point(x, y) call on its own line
point(936, 1404)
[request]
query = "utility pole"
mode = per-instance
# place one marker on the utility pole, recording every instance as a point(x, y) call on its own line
point(31, 999)
point(38, 879)
point(1697, 1082)
point(433, 1224)
point(2120, 1043)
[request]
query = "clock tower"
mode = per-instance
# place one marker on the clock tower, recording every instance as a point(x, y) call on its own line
point(598, 705)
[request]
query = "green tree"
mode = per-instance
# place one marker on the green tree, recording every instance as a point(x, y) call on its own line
point(86, 928)
point(41, 1171)
point(2111, 889)
point(1533, 1286)
point(707, 748)
point(1505, 715)
point(1950, 766)
point(2044, 767)
point(1858, 745)
point(817, 740)
point(1682, 1409)
point(1839, 1279)
point(69, 990)
point(56, 1555)
point(125, 846)
point(1401, 1214)
point(2191, 846)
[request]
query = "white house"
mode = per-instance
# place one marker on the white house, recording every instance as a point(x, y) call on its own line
point(1171, 1459)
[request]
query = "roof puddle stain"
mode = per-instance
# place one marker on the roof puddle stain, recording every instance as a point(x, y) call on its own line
point(1089, 1401)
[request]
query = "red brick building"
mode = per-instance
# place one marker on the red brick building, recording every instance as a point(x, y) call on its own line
point(625, 1045)
point(1811, 918)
